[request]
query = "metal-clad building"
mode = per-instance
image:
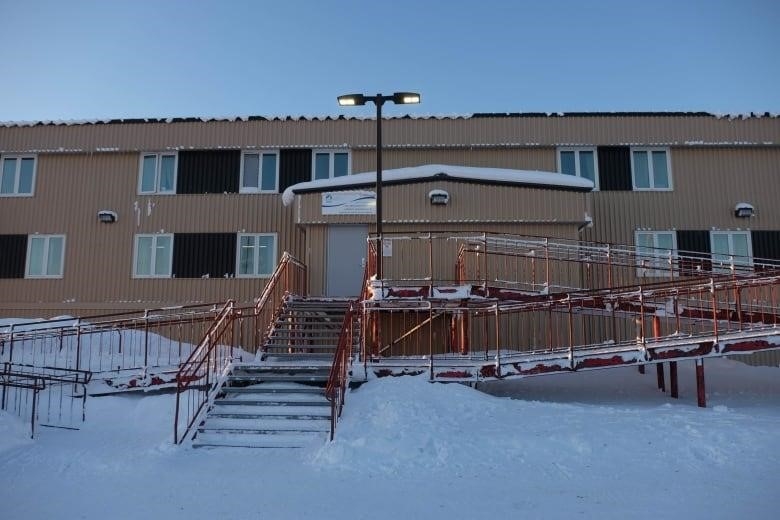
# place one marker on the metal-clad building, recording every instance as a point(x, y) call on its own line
point(199, 214)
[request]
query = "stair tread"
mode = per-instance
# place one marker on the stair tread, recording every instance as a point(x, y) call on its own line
point(270, 411)
point(258, 440)
point(249, 424)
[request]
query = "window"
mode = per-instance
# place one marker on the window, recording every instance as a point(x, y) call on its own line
point(17, 178)
point(158, 173)
point(650, 169)
point(45, 256)
point(330, 164)
point(153, 254)
point(656, 252)
point(256, 255)
point(259, 172)
point(730, 246)
point(580, 162)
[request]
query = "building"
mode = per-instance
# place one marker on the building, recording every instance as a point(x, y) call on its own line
point(103, 216)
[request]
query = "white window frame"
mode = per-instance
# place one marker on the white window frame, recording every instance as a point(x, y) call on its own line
point(257, 257)
point(17, 173)
point(45, 260)
point(652, 271)
point(158, 164)
point(730, 235)
point(259, 189)
point(331, 160)
point(650, 150)
point(154, 236)
point(577, 150)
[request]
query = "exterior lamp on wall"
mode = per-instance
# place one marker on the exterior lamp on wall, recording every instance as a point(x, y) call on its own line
point(399, 98)
point(107, 216)
point(744, 210)
point(439, 197)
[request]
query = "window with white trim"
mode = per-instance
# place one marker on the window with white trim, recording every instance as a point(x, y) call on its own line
point(17, 176)
point(157, 173)
point(45, 254)
point(651, 169)
point(153, 255)
point(256, 255)
point(727, 247)
point(260, 172)
point(656, 252)
point(329, 164)
point(580, 162)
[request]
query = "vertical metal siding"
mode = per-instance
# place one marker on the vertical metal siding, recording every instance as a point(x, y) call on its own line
point(198, 255)
point(294, 167)
point(13, 252)
point(208, 171)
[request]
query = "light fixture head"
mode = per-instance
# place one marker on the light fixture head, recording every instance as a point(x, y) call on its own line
point(744, 210)
point(106, 216)
point(406, 98)
point(350, 100)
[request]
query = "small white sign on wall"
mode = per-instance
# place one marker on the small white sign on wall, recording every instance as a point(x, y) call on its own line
point(349, 203)
point(387, 248)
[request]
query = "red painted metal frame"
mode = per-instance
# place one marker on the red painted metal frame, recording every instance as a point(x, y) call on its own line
point(338, 379)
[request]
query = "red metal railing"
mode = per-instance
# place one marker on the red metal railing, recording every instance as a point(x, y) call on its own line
point(201, 373)
point(338, 379)
point(290, 277)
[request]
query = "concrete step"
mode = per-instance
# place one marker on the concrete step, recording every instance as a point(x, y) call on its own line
point(248, 440)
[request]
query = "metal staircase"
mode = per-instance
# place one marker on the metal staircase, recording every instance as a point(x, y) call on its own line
point(279, 401)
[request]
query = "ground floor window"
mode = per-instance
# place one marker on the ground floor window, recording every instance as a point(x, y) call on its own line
point(655, 252)
point(256, 254)
point(45, 256)
point(153, 255)
point(730, 248)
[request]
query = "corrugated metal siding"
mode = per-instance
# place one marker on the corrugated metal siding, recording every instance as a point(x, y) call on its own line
point(708, 183)
point(70, 190)
point(445, 132)
point(208, 171)
point(469, 203)
point(196, 255)
point(614, 168)
point(536, 158)
point(294, 167)
point(13, 253)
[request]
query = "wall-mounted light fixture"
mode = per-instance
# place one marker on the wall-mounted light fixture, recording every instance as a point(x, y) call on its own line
point(744, 210)
point(107, 216)
point(439, 197)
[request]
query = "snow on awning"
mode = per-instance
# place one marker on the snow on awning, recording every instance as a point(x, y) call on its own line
point(443, 172)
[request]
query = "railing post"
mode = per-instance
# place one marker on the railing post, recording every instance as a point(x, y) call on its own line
point(701, 396)
point(714, 309)
point(146, 337)
point(571, 338)
point(78, 345)
point(498, 343)
point(659, 367)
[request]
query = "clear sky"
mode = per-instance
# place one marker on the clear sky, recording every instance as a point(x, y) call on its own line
point(79, 59)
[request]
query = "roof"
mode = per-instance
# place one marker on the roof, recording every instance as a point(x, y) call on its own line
point(478, 115)
point(428, 172)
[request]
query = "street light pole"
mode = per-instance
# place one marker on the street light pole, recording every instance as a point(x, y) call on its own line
point(399, 98)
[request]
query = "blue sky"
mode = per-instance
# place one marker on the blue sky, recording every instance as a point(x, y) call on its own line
point(76, 59)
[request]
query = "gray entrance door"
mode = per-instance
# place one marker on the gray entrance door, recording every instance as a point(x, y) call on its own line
point(346, 254)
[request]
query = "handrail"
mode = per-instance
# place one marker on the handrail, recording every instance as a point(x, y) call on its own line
point(191, 371)
point(336, 388)
point(290, 277)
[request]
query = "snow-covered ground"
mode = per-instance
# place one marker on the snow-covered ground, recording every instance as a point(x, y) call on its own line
point(601, 444)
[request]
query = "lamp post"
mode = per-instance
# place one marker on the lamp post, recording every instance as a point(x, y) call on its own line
point(399, 98)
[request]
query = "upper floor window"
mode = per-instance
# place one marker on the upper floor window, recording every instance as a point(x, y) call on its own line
point(581, 162)
point(651, 169)
point(17, 178)
point(45, 256)
point(329, 164)
point(655, 252)
point(729, 247)
point(256, 254)
point(153, 256)
point(158, 173)
point(259, 172)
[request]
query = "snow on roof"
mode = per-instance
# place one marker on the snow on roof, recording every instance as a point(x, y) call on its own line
point(445, 172)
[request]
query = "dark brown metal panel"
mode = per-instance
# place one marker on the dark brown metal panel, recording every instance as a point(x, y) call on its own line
point(766, 246)
point(13, 250)
point(208, 171)
point(696, 244)
point(614, 168)
point(196, 255)
point(294, 167)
